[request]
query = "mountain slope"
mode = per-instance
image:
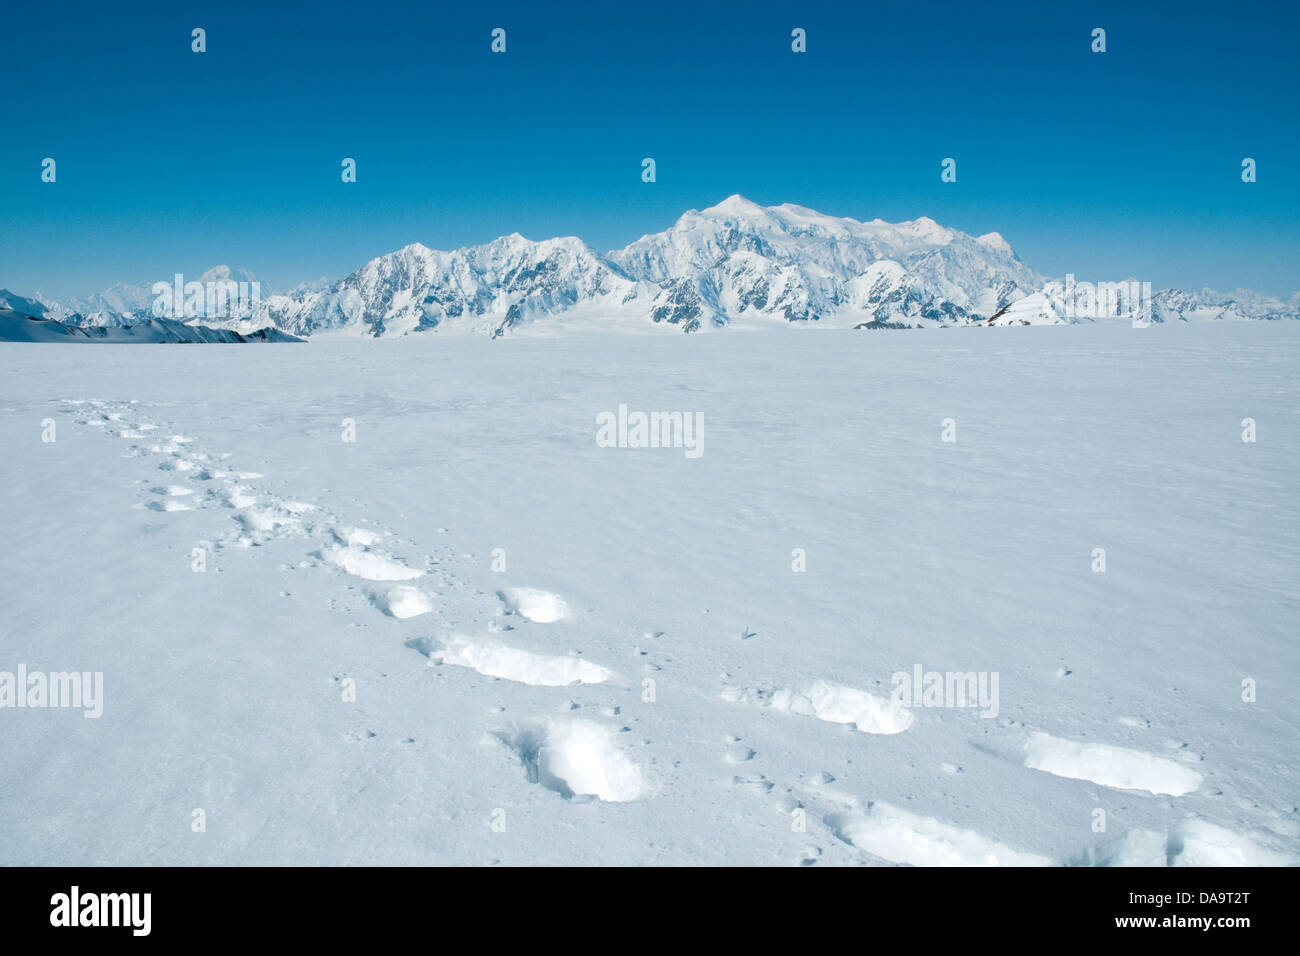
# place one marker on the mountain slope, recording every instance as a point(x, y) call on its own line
point(489, 288)
point(736, 263)
point(18, 327)
point(740, 259)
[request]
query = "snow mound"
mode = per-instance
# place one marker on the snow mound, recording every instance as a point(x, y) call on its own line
point(361, 562)
point(1135, 848)
point(538, 606)
point(902, 837)
point(402, 602)
point(1198, 843)
point(240, 498)
point(834, 703)
point(579, 758)
point(493, 659)
point(1104, 764)
point(360, 537)
point(259, 524)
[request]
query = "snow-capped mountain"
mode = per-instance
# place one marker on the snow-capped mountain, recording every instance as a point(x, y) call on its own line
point(21, 320)
point(736, 263)
point(739, 259)
point(1062, 303)
point(128, 305)
point(1173, 304)
point(120, 304)
point(489, 288)
point(30, 306)
point(124, 304)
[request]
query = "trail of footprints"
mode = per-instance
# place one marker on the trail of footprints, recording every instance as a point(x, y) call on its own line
point(581, 758)
point(576, 757)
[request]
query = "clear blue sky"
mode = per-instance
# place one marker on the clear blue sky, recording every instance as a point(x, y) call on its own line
point(1104, 165)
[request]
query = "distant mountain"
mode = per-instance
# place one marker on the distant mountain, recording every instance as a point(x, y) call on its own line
point(120, 304)
point(21, 326)
point(739, 260)
point(1052, 306)
point(489, 289)
point(34, 307)
point(736, 263)
point(123, 304)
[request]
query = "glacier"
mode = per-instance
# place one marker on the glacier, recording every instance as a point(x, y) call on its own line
point(392, 602)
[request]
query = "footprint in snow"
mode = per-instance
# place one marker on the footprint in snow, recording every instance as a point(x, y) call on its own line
point(534, 604)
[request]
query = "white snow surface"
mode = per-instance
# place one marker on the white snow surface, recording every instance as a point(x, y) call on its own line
point(372, 666)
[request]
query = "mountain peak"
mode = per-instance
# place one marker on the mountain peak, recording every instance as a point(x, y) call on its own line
point(994, 240)
point(926, 224)
point(735, 205)
point(412, 249)
point(34, 306)
point(225, 274)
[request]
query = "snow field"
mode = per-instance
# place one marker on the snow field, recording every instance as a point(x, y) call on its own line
point(771, 708)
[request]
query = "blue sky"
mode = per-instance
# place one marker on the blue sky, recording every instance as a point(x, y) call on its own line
point(1104, 165)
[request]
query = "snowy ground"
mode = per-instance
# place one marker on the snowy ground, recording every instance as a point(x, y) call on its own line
point(478, 735)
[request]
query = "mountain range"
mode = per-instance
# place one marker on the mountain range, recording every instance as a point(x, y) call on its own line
point(733, 264)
